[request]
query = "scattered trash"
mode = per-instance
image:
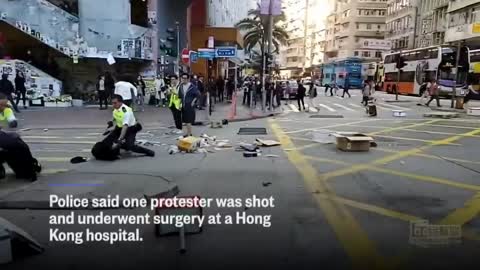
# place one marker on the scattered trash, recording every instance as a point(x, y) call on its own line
point(399, 113)
point(224, 122)
point(216, 124)
point(473, 111)
point(266, 184)
point(45, 130)
point(251, 154)
point(188, 144)
point(353, 142)
point(402, 162)
point(202, 150)
point(267, 143)
point(322, 136)
point(272, 156)
point(173, 150)
point(248, 147)
point(224, 145)
point(77, 160)
point(373, 144)
point(24, 129)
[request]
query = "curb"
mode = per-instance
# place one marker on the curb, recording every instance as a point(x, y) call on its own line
point(44, 204)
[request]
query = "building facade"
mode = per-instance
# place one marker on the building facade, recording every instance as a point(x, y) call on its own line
point(401, 23)
point(431, 22)
point(357, 28)
point(464, 22)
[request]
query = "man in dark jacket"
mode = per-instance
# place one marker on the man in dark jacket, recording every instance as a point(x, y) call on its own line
point(301, 92)
point(188, 94)
point(6, 88)
point(203, 93)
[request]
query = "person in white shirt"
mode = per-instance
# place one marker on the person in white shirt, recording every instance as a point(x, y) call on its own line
point(160, 91)
point(127, 91)
point(102, 93)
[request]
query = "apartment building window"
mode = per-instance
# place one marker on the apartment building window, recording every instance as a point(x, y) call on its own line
point(355, 53)
point(378, 54)
point(369, 26)
point(365, 54)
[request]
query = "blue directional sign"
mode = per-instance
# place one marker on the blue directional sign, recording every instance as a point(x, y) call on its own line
point(225, 52)
point(193, 57)
point(206, 53)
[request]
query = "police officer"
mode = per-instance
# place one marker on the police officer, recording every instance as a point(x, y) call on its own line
point(126, 128)
point(7, 117)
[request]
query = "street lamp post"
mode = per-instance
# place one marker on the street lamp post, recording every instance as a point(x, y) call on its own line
point(177, 25)
point(457, 62)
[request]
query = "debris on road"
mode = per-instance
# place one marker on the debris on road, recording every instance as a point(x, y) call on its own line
point(445, 115)
point(45, 130)
point(272, 156)
point(266, 184)
point(251, 154)
point(248, 146)
point(322, 136)
point(216, 124)
point(266, 143)
point(78, 160)
point(353, 142)
point(188, 144)
point(474, 111)
point(399, 113)
point(173, 150)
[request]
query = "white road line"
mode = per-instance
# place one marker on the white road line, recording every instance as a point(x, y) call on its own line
point(293, 107)
point(354, 105)
point(338, 97)
point(326, 107)
point(395, 107)
point(344, 107)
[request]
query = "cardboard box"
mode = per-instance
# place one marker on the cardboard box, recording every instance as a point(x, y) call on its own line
point(474, 111)
point(189, 144)
point(353, 142)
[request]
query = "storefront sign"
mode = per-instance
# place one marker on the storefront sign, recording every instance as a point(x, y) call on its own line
point(225, 52)
point(206, 53)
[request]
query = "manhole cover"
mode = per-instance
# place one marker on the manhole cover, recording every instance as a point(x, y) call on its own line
point(326, 116)
point(252, 131)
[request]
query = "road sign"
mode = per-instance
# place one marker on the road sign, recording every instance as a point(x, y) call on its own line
point(226, 52)
point(193, 57)
point(185, 56)
point(206, 53)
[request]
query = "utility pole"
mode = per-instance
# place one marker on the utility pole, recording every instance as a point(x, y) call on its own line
point(177, 25)
point(457, 62)
point(265, 53)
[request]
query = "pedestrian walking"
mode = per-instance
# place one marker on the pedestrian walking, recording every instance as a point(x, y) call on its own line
point(327, 87)
point(126, 128)
point(434, 92)
point(312, 95)
point(127, 90)
point(20, 89)
point(366, 92)
point(220, 89)
point(278, 93)
point(346, 87)
point(175, 103)
point(102, 92)
point(203, 93)
point(141, 87)
point(301, 95)
point(470, 94)
point(6, 88)
point(160, 89)
point(188, 94)
point(423, 93)
point(288, 91)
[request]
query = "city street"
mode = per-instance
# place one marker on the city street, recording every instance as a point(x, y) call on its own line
point(332, 208)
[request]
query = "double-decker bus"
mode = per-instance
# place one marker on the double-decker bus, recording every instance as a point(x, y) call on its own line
point(474, 60)
point(351, 67)
point(422, 65)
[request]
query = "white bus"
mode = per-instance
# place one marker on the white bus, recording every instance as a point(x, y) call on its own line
point(423, 65)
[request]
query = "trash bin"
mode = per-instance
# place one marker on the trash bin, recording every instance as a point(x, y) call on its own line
point(459, 102)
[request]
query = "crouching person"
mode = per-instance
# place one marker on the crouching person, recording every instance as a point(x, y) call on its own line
point(126, 128)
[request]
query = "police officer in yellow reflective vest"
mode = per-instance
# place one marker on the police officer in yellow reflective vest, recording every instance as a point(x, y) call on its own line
point(7, 117)
point(175, 103)
point(126, 128)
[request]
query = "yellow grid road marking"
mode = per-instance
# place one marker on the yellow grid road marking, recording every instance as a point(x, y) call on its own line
point(463, 215)
point(326, 127)
point(353, 238)
point(414, 130)
point(412, 139)
point(430, 156)
point(402, 127)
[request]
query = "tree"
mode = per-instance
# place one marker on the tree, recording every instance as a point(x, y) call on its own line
point(256, 26)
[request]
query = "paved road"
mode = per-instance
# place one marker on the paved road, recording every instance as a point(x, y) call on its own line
point(333, 210)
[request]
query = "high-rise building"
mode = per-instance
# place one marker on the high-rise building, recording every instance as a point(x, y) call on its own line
point(226, 13)
point(431, 22)
point(356, 28)
point(401, 23)
point(464, 22)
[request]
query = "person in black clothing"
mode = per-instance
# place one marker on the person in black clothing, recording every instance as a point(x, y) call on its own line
point(346, 87)
point(109, 84)
point(203, 93)
point(301, 95)
point(20, 89)
point(230, 88)
point(6, 88)
point(220, 89)
point(245, 93)
point(278, 93)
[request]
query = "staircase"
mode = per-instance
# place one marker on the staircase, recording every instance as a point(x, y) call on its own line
point(45, 22)
point(38, 83)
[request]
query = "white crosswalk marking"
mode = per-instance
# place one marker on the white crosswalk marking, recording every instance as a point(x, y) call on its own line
point(343, 107)
point(293, 108)
point(326, 107)
point(354, 105)
point(395, 107)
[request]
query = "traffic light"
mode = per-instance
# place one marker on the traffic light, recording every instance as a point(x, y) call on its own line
point(269, 60)
point(400, 62)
